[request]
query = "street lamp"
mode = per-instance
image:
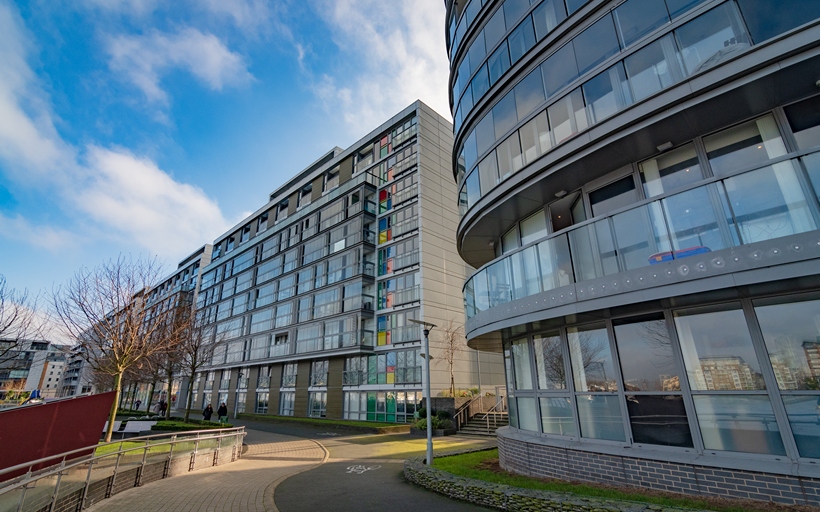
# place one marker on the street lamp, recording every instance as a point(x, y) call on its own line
point(427, 357)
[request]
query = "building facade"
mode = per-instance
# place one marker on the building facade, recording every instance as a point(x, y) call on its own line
point(310, 297)
point(638, 190)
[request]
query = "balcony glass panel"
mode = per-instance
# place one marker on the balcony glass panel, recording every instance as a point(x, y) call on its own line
point(535, 138)
point(607, 93)
point(670, 170)
point(504, 115)
point(595, 44)
point(482, 292)
point(600, 417)
point(499, 280)
point(593, 251)
point(636, 18)
point(521, 40)
point(654, 68)
point(554, 263)
point(768, 203)
point(485, 133)
point(712, 38)
point(494, 29)
point(567, 116)
point(549, 362)
point(476, 54)
point(559, 69)
point(480, 83)
point(525, 280)
point(529, 93)
point(802, 413)
point(695, 224)
point(744, 145)
point(812, 163)
point(547, 16)
point(639, 234)
point(498, 64)
point(738, 423)
point(593, 369)
point(678, 7)
point(488, 174)
point(556, 416)
point(510, 159)
point(804, 118)
point(767, 19)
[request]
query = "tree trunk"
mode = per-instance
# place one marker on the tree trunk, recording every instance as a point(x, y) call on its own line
point(168, 394)
point(113, 415)
point(190, 397)
point(150, 397)
point(134, 394)
point(452, 383)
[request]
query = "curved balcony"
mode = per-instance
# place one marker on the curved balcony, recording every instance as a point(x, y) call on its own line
point(758, 218)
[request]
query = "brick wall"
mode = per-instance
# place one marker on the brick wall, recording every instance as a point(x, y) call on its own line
point(542, 461)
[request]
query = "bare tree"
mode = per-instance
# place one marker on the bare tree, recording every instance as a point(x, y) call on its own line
point(197, 345)
point(18, 321)
point(105, 311)
point(453, 342)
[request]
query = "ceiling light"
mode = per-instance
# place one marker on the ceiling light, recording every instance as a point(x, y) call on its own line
point(561, 193)
point(664, 146)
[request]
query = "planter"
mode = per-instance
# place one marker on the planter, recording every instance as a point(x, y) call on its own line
point(437, 432)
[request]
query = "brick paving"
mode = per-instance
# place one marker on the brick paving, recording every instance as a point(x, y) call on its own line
point(243, 486)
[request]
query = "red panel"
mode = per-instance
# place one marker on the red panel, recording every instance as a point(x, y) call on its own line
point(36, 431)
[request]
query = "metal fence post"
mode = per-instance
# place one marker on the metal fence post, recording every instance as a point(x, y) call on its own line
point(56, 490)
point(193, 454)
point(110, 490)
point(138, 483)
point(87, 483)
point(167, 471)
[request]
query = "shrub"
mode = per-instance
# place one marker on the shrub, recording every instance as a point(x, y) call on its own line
point(442, 415)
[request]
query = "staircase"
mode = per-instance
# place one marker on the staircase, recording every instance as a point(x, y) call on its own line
point(485, 424)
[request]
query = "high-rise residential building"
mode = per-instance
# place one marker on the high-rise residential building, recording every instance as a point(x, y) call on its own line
point(46, 370)
point(638, 190)
point(311, 296)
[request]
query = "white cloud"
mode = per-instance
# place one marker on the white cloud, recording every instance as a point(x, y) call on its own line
point(246, 14)
point(400, 46)
point(134, 7)
point(142, 59)
point(111, 192)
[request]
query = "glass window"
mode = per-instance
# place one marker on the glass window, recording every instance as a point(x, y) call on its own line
point(659, 420)
point(738, 423)
point(476, 54)
point(480, 83)
point(812, 163)
point(792, 334)
point(802, 413)
point(485, 133)
point(494, 29)
point(535, 138)
point(616, 195)
point(554, 263)
point(574, 5)
point(654, 68)
point(712, 38)
point(521, 39)
point(529, 93)
point(527, 418)
point(471, 186)
point(768, 203)
point(591, 357)
point(498, 280)
point(556, 416)
point(804, 118)
point(744, 145)
point(498, 64)
point(595, 44)
point(547, 16)
point(678, 7)
point(695, 225)
point(470, 150)
point(717, 349)
point(640, 234)
point(504, 115)
point(509, 156)
point(521, 363)
point(767, 19)
point(600, 417)
point(488, 173)
point(509, 241)
point(645, 351)
point(636, 18)
point(670, 170)
point(607, 93)
point(526, 281)
point(513, 9)
point(549, 361)
point(567, 116)
point(533, 227)
point(559, 69)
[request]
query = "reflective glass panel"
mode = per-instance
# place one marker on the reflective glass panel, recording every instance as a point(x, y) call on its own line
point(717, 349)
point(767, 19)
point(521, 362)
point(738, 423)
point(591, 357)
point(556, 416)
point(509, 241)
point(792, 334)
point(533, 227)
point(712, 38)
point(654, 68)
point(593, 251)
point(526, 281)
point(595, 44)
point(480, 83)
point(488, 173)
point(521, 39)
point(504, 115)
point(695, 225)
point(527, 417)
point(549, 361)
point(498, 63)
point(529, 93)
point(513, 9)
point(482, 293)
point(559, 69)
point(670, 170)
point(678, 7)
point(804, 118)
point(802, 412)
point(509, 156)
point(646, 355)
point(547, 16)
point(535, 138)
point(494, 29)
point(485, 133)
point(636, 18)
point(471, 186)
point(659, 420)
point(607, 93)
point(768, 203)
point(812, 163)
point(616, 195)
point(600, 417)
point(554, 263)
point(498, 279)
point(574, 5)
point(567, 116)
point(754, 142)
point(640, 235)
point(476, 54)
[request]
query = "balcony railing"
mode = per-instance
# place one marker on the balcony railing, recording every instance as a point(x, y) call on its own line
point(209, 385)
point(405, 194)
point(405, 226)
point(754, 206)
point(411, 375)
point(288, 381)
point(335, 341)
point(318, 379)
point(353, 378)
point(263, 382)
point(407, 295)
point(405, 334)
point(405, 260)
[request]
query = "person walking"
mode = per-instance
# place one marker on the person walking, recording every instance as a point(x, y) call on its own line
point(222, 412)
point(208, 412)
point(137, 404)
point(163, 405)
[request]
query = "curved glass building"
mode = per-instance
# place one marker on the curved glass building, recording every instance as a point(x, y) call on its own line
point(639, 187)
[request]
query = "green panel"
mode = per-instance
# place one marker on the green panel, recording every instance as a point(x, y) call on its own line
point(391, 402)
point(382, 378)
point(391, 418)
point(371, 402)
point(371, 416)
point(371, 370)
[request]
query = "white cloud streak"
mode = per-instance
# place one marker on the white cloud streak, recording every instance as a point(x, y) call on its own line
point(128, 197)
point(142, 60)
point(400, 46)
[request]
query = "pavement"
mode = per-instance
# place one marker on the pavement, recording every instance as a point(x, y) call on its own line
point(295, 468)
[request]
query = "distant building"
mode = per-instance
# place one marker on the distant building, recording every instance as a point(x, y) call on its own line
point(46, 371)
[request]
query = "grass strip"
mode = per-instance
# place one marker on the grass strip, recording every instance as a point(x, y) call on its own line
point(318, 422)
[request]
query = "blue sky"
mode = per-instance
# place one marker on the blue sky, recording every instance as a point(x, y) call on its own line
point(148, 127)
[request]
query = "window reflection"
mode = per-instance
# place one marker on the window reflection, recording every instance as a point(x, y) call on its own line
point(738, 423)
point(549, 361)
point(521, 361)
point(803, 416)
point(591, 357)
point(645, 352)
point(600, 417)
point(804, 119)
point(670, 170)
point(792, 334)
point(659, 420)
point(745, 145)
point(654, 67)
point(556, 416)
point(527, 417)
point(712, 38)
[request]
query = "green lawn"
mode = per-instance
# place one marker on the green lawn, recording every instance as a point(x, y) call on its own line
point(470, 465)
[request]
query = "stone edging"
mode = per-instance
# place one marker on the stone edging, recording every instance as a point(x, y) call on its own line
point(505, 497)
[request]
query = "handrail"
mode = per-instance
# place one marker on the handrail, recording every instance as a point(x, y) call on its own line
point(462, 415)
point(495, 416)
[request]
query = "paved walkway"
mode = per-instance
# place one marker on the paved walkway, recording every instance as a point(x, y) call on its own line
point(243, 486)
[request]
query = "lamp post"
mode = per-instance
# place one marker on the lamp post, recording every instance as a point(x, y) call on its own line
point(427, 357)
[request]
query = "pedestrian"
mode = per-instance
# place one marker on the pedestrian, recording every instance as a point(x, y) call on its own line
point(163, 405)
point(222, 412)
point(138, 403)
point(208, 412)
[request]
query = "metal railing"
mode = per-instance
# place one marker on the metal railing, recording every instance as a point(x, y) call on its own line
point(79, 478)
point(492, 415)
point(467, 411)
